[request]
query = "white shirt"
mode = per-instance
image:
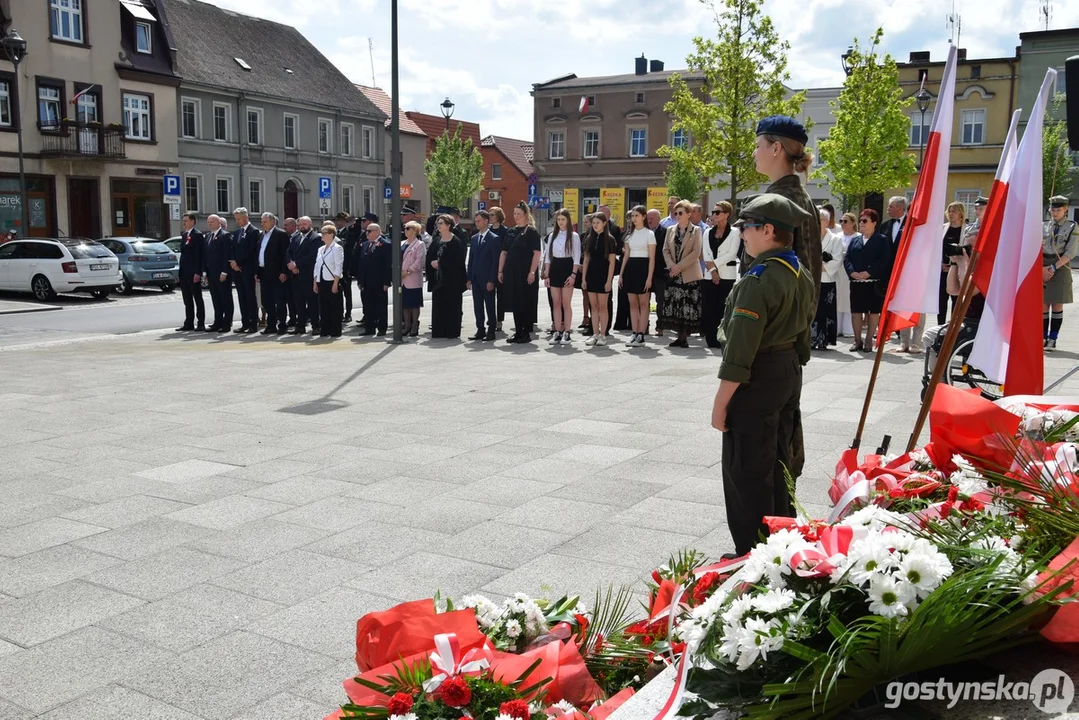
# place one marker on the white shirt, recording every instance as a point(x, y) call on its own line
point(638, 241)
point(728, 251)
point(329, 263)
point(897, 227)
point(557, 248)
point(833, 245)
point(262, 249)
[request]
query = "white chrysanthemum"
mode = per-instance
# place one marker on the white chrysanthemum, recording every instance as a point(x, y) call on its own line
point(920, 460)
point(869, 558)
point(756, 640)
point(773, 601)
point(513, 629)
point(889, 597)
point(921, 572)
point(875, 517)
point(774, 555)
point(990, 542)
point(738, 609)
point(967, 478)
point(487, 613)
point(730, 645)
point(563, 707)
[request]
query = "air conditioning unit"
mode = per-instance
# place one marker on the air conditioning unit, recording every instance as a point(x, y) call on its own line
point(493, 195)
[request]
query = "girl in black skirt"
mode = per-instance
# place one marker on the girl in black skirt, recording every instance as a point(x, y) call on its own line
point(599, 261)
point(517, 268)
point(561, 266)
point(638, 266)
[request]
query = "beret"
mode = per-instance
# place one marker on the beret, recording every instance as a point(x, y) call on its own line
point(783, 126)
point(370, 216)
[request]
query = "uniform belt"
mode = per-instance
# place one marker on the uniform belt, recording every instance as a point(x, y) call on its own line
point(776, 348)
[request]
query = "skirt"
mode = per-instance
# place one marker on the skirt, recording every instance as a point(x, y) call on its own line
point(597, 277)
point(636, 275)
point(681, 307)
point(864, 298)
point(561, 269)
point(823, 333)
point(1058, 291)
point(411, 298)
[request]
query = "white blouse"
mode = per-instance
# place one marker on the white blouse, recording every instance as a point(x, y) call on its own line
point(330, 262)
point(834, 246)
point(638, 242)
point(557, 248)
point(728, 251)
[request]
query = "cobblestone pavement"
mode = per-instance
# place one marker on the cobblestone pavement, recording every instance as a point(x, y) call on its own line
point(191, 525)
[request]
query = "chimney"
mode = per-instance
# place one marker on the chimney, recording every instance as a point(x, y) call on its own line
point(919, 56)
point(961, 54)
point(656, 66)
point(641, 65)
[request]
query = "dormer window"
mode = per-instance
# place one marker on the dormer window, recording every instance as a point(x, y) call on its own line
point(144, 42)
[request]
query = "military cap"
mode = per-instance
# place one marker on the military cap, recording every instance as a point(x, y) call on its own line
point(447, 210)
point(1058, 201)
point(341, 216)
point(773, 209)
point(408, 210)
point(370, 216)
point(783, 126)
point(981, 200)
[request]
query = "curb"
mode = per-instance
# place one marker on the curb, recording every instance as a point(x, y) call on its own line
point(21, 311)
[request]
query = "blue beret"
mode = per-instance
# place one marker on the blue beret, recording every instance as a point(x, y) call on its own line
point(783, 126)
point(370, 216)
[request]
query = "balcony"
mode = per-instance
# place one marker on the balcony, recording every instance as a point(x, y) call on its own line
point(83, 140)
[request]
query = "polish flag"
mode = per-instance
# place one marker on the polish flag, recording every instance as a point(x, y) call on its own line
point(1008, 346)
point(914, 287)
point(989, 230)
point(583, 107)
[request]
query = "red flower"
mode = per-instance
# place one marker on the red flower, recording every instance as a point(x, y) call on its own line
point(946, 509)
point(953, 494)
point(455, 692)
point(516, 709)
point(657, 577)
point(704, 587)
point(973, 505)
point(400, 704)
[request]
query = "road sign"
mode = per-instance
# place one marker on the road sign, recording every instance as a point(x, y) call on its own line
point(324, 205)
point(555, 195)
point(532, 190)
point(172, 186)
point(172, 200)
point(540, 202)
point(325, 188)
point(387, 193)
point(532, 178)
point(481, 205)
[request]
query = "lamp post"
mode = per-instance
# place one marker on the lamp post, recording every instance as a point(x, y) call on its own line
point(395, 178)
point(845, 59)
point(923, 99)
point(15, 48)
point(447, 112)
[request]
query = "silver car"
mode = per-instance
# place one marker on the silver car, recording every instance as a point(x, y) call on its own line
point(144, 262)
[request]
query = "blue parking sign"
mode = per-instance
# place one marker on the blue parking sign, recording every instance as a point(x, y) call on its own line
point(172, 185)
point(325, 188)
point(481, 205)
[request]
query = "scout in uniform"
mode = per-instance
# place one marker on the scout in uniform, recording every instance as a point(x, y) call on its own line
point(1060, 241)
point(765, 337)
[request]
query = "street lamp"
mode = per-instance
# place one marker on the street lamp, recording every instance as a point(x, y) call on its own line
point(15, 48)
point(923, 99)
point(447, 112)
point(845, 58)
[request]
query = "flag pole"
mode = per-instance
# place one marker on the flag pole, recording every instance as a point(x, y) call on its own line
point(869, 395)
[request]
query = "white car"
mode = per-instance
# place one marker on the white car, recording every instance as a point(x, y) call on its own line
point(45, 267)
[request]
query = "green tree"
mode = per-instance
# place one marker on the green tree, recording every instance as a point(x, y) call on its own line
point(454, 171)
point(682, 180)
point(1057, 165)
point(867, 149)
point(744, 69)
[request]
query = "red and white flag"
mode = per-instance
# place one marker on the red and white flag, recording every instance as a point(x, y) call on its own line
point(989, 230)
point(914, 288)
point(583, 107)
point(1008, 346)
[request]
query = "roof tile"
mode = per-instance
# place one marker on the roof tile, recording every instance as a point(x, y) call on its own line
point(383, 102)
point(518, 152)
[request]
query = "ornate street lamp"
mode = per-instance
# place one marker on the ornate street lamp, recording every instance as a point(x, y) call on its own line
point(447, 112)
point(845, 58)
point(923, 97)
point(15, 49)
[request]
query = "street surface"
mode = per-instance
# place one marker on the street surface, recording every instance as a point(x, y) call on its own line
point(191, 524)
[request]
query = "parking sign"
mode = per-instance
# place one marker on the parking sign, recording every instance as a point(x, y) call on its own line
point(325, 188)
point(171, 184)
point(481, 205)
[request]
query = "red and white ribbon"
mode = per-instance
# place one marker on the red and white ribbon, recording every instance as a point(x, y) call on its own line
point(448, 662)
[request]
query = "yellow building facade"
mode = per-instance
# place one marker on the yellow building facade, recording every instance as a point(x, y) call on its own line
point(986, 92)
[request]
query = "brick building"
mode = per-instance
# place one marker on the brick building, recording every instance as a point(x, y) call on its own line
point(507, 163)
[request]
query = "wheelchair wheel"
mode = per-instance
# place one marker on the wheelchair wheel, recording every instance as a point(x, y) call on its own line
point(961, 374)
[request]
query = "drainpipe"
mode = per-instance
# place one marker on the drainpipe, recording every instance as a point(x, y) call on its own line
point(1011, 87)
point(240, 150)
point(337, 165)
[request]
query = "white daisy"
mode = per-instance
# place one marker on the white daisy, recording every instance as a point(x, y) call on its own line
point(888, 597)
point(774, 601)
point(513, 629)
point(921, 573)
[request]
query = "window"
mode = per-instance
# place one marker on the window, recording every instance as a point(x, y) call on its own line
point(222, 115)
point(137, 117)
point(192, 192)
point(556, 145)
point(143, 38)
point(65, 20)
point(367, 148)
point(496, 171)
point(638, 98)
point(967, 197)
point(591, 101)
point(638, 142)
point(324, 132)
point(680, 138)
point(254, 204)
point(348, 194)
point(49, 105)
point(189, 117)
point(975, 72)
point(556, 102)
point(918, 133)
point(1061, 88)
point(816, 151)
point(224, 195)
point(923, 74)
point(591, 143)
point(5, 104)
point(292, 124)
point(254, 126)
point(347, 133)
point(368, 199)
point(973, 127)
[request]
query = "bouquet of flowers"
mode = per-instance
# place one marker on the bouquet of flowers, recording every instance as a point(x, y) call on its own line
point(521, 621)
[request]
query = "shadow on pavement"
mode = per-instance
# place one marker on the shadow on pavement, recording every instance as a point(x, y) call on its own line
point(327, 403)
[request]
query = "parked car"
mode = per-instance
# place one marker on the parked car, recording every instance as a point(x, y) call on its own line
point(144, 262)
point(47, 266)
point(176, 244)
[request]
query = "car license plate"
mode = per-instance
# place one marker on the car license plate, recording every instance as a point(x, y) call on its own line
point(99, 267)
point(161, 276)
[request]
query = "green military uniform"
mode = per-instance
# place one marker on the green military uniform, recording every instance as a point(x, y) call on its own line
point(807, 233)
point(1059, 239)
point(766, 342)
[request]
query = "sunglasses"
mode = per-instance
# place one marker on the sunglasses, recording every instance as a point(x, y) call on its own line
point(680, 212)
point(863, 221)
point(719, 212)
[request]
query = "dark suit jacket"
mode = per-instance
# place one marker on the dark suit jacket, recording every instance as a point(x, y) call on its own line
point(886, 230)
point(219, 251)
point(304, 252)
point(483, 259)
point(276, 252)
point(245, 248)
point(192, 253)
point(374, 268)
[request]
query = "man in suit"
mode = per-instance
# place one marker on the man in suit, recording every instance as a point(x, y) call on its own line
point(349, 236)
point(893, 226)
point(192, 264)
point(660, 276)
point(375, 278)
point(302, 253)
point(244, 264)
point(483, 254)
point(290, 293)
point(273, 274)
point(218, 272)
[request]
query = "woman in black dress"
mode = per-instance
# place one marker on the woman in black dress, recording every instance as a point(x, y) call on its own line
point(517, 268)
point(869, 265)
point(449, 281)
point(498, 227)
point(599, 261)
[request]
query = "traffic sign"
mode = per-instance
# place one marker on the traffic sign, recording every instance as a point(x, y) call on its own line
point(172, 186)
point(481, 205)
point(324, 205)
point(532, 178)
point(532, 190)
point(540, 202)
point(325, 188)
point(172, 200)
point(387, 193)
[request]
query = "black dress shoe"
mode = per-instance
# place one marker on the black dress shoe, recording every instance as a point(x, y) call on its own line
point(490, 336)
point(364, 333)
point(185, 328)
point(251, 330)
point(241, 329)
point(203, 328)
point(268, 331)
point(714, 344)
point(480, 335)
point(729, 556)
point(224, 329)
point(296, 331)
point(380, 333)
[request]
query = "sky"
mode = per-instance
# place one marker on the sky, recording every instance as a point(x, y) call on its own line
point(486, 54)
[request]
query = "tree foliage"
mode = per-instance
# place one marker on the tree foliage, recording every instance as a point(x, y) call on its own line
point(1057, 160)
point(744, 69)
point(454, 171)
point(867, 150)
point(682, 179)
